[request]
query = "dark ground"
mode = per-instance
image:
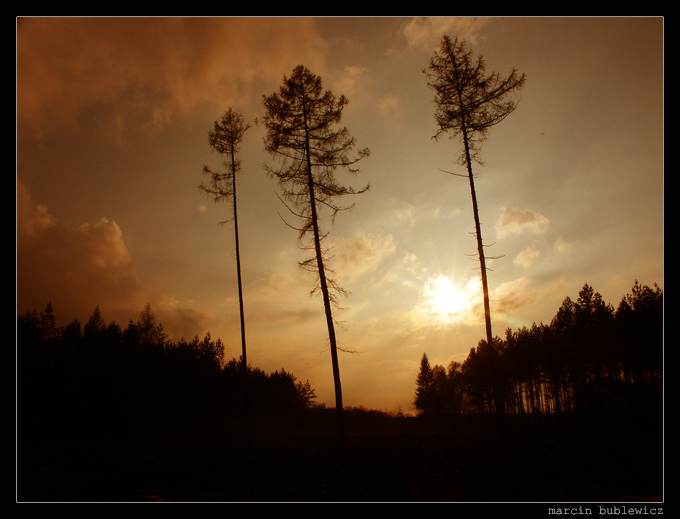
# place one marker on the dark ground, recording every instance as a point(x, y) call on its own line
point(397, 460)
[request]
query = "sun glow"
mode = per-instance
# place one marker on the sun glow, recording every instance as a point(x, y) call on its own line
point(447, 303)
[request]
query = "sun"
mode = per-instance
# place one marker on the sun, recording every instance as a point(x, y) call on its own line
point(443, 297)
point(447, 303)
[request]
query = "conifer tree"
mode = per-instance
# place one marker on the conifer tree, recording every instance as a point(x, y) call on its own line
point(468, 104)
point(302, 121)
point(225, 138)
point(424, 385)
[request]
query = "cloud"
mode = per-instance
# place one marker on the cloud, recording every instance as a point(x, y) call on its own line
point(32, 218)
point(409, 214)
point(427, 32)
point(512, 295)
point(146, 72)
point(346, 83)
point(526, 257)
point(524, 300)
point(103, 243)
point(360, 253)
point(281, 298)
point(390, 105)
point(564, 246)
point(78, 270)
point(180, 318)
point(517, 221)
point(402, 211)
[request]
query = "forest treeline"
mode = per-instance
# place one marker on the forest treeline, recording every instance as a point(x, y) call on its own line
point(99, 380)
point(591, 361)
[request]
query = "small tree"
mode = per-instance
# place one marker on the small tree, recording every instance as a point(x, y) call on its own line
point(225, 138)
point(468, 104)
point(424, 385)
point(149, 331)
point(95, 325)
point(301, 122)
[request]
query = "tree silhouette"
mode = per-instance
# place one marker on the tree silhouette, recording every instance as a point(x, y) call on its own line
point(468, 105)
point(301, 123)
point(95, 325)
point(149, 330)
point(48, 323)
point(589, 363)
point(424, 385)
point(151, 418)
point(225, 138)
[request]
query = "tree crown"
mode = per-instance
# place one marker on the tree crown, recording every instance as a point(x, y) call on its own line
point(225, 138)
point(302, 131)
point(469, 102)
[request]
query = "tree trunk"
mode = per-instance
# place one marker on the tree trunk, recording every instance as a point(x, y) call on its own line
point(244, 358)
point(327, 304)
point(497, 393)
point(329, 322)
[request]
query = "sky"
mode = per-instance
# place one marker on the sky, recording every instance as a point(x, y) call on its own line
point(112, 120)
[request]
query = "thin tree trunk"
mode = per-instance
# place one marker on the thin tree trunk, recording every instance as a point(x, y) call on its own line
point(244, 367)
point(497, 397)
point(480, 251)
point(329, 322)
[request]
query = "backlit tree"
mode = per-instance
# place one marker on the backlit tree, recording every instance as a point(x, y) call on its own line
point(225, 138)
point(424, 385)
point(303, 134)
point(468, 104)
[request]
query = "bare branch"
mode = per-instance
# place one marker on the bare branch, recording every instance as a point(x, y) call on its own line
point(451, 173)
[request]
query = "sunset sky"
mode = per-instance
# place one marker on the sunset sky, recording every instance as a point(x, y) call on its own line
point(112, 123)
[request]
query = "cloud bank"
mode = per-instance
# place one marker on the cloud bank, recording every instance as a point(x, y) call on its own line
point(79, 269)
point(70, 68)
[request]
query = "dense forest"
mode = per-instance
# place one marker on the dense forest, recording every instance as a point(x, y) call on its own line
point(112, 414)
point(591, 360)
point(99, 379)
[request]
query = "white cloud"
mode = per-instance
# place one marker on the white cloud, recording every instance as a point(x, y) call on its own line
point(526, 257)
point(517, 221)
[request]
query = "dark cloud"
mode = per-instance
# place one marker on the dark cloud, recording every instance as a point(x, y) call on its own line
point(78, 270)
point(146, 72)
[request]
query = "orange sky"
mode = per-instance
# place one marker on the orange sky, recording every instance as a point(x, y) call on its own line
point(112, 122)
